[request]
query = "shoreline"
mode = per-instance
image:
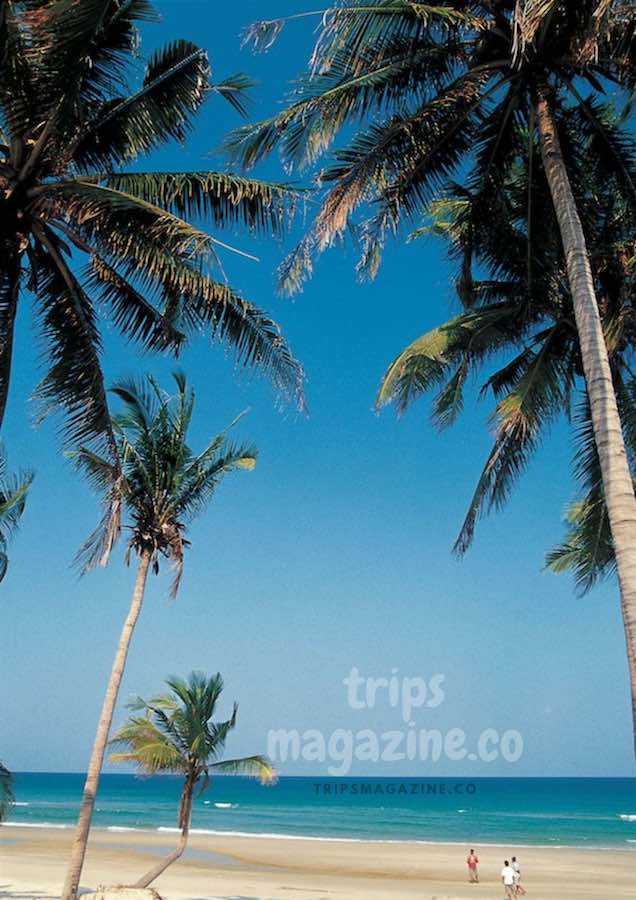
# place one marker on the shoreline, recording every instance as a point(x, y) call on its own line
point(220, 867)
point(279, 836)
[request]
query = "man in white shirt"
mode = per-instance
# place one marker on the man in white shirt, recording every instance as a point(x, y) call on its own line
point(508, 880)
point(519, 891)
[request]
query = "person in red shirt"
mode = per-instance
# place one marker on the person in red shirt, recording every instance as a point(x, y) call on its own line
point(473, 875)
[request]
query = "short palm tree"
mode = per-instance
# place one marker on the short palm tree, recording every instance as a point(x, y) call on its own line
point(176, 734)
point(84, 234)
point(6, 792)
point(427, 90)
point(13, 493)
point(161, 485)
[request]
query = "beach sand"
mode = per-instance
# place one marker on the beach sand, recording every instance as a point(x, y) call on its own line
point(32, 864)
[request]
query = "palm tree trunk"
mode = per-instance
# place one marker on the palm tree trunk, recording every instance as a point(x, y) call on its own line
point(617, 481)
point(78, 851)
point(185, 814)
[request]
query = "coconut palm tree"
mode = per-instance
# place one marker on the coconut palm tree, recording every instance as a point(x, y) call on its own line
point(161, 485)
point(6, 792)
point(13, 493)
point(83, 233)
point(176, 734)
point(428, 90)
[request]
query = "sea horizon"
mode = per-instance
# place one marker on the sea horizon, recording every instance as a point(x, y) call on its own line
point(584, 812)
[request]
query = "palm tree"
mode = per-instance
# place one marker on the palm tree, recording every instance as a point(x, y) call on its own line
point(176, 734)
point(6, 792)
point(161, 485)
point(80, 233)
point(430, 90)
point(13, 493)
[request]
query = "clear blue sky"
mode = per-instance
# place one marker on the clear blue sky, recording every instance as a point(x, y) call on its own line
point(335, 551)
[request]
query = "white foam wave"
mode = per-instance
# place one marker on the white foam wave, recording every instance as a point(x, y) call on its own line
point(627, 817)
point(226, 805)
point(19, 803)
point(329, 839)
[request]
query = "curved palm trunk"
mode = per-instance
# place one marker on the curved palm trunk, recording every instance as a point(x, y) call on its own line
point(78, 851)
point(617, 480)
point(185, 814)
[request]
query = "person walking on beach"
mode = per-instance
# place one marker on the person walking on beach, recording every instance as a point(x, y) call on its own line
point(508, 880)
point(519, 890)
point(473, 875)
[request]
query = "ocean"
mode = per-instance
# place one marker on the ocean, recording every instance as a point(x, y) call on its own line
point(513, 812)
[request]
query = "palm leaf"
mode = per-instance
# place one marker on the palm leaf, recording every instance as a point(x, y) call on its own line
point(226, 200)
point(6, 791)
point(174, 87)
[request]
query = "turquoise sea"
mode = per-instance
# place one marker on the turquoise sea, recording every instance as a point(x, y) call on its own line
point(584, 812)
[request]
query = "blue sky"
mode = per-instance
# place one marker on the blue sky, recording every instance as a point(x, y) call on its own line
point(335, 551)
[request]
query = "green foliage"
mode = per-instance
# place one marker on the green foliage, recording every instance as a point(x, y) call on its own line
point(156, 481)
point(587, 550)
point(516, 331)
point(417, 92)
point(13, 494)
point(81, 233)
point(175, 733)
point(6, 792)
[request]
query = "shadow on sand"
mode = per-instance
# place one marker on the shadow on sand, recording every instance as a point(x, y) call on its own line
point(18, 895)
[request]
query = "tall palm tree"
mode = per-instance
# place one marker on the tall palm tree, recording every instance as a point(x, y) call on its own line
point(13, 493)
point(161, 485)
point(432, 89)
point(176, 734)
point(6, 792)
point(81, 233)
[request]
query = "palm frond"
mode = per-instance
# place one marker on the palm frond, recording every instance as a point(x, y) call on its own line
point(132, 313)
point(175, 85)
point(226, 200)
point(235, 90)
point(74, 381)
point(468, 338)
point(6, 792)
point(399, 162)
point(522, 417)
point(13, 492)
point(587, 550)
point(257, 766)
point(325, 101)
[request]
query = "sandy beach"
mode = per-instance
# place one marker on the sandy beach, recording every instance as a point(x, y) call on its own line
point(32, 863)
